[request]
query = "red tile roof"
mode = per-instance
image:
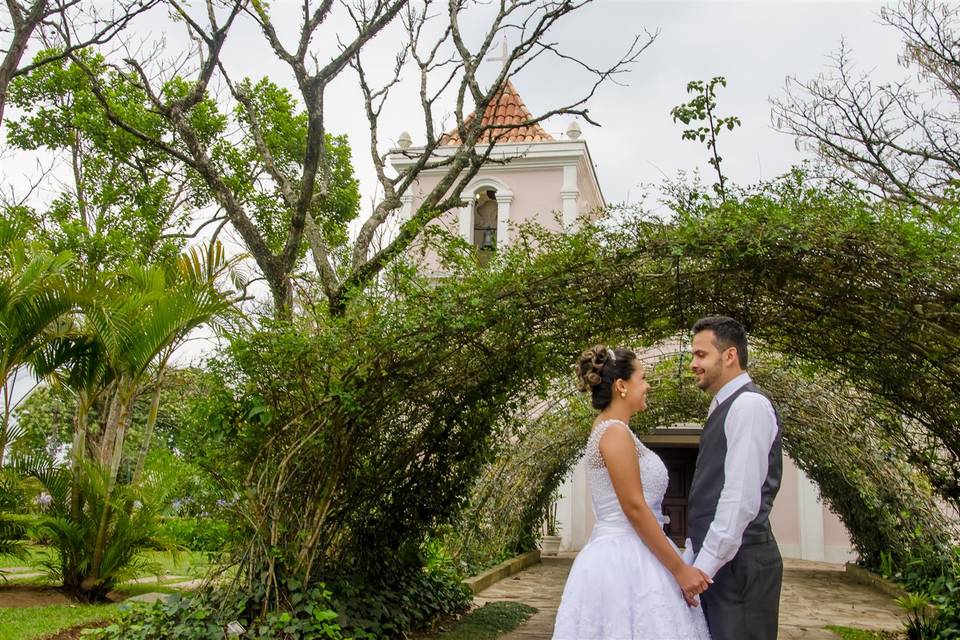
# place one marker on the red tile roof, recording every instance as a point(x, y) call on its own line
point(506, 110)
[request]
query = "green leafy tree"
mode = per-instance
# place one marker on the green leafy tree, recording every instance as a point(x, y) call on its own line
point(284, 150)
point(76, 25)
point(249, 174)
point(277, 127)
point(702, 108)
point(45, 422)
point(127, 201)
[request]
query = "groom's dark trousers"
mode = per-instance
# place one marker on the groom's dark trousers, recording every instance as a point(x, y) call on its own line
point(744, 600)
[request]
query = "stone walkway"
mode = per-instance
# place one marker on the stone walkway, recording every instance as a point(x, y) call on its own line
point(815, 594)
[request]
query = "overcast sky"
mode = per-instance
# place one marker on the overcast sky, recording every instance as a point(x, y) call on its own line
point(755, 45)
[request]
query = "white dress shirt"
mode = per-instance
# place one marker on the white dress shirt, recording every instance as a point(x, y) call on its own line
point(750, 429)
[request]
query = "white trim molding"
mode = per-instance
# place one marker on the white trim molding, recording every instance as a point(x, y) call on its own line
point(466, 220)
point(487, 182)
point(503, 219)
point(569, 193)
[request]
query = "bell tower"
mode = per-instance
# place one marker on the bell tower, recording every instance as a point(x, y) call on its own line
point(534, 177)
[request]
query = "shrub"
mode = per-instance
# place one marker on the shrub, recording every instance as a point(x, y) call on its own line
point(197, 534)
point(388, 609)
point(931, 583)
point(347, 611)
point(88, 564)
point(204, 617)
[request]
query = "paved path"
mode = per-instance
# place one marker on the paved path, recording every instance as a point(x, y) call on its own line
point(814, 595)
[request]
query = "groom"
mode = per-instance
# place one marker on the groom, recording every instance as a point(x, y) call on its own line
point(736, 479)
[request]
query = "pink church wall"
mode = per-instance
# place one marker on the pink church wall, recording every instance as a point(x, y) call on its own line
point(834, 533)
point(834, 541)
point(536, 195)
point(785, 517)
point(536, 198)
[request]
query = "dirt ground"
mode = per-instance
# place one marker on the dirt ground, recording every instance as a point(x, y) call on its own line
point(15, 596)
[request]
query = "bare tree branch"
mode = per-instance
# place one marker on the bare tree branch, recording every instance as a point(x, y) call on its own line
point(897, 140)
point(456, 65)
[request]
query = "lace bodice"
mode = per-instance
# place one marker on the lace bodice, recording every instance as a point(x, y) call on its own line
point(653, 475)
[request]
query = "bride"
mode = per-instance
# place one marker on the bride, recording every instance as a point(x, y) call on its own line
point(629, 581)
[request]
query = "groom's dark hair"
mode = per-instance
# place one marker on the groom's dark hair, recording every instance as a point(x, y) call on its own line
point(728, 333)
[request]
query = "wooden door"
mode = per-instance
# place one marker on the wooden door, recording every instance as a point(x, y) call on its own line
point(681, 463)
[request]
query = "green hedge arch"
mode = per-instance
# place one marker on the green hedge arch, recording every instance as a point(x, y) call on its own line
point(832, 431)
point(376, 424)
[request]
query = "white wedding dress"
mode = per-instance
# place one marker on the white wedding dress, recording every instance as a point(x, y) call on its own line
point(617, 589)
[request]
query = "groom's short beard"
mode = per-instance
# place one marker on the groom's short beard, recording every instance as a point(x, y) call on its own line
point(705, 382)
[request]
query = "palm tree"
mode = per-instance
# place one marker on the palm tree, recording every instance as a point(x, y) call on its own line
point(76, 361)
point(151, 311)
point(128, 325)
point(197, 271)
point(34, 295)
point(134, 510)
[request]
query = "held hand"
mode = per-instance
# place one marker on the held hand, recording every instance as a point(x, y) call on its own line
point(692, 581)
point(692, 601)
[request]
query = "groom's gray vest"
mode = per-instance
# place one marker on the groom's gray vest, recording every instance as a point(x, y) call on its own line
point(709, 476)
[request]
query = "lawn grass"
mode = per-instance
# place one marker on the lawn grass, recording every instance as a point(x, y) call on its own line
point(36, 581)
point(35, 554)
point(29, 623)
point(490, 621)
point(189, 564)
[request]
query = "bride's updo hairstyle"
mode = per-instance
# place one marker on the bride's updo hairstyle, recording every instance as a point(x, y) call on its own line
point(599, 367)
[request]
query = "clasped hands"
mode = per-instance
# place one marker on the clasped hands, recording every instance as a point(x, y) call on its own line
point(692, 580)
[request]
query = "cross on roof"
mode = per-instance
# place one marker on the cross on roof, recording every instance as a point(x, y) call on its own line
point(504, 55)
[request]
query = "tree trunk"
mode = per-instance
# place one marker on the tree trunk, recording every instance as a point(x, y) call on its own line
point(5, 423)
point(110, 430)
point(23, 27)
point(123, 416)
point(282, 292)
point(77, 454)
point(151, 422)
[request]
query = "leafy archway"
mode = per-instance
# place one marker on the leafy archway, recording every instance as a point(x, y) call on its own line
point(376, 424)
point(835, 433)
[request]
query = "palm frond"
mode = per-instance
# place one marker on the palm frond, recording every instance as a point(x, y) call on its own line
point(12, 541)
point(55, 479)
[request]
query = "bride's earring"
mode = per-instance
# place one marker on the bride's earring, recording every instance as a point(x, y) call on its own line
point(623, 394)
